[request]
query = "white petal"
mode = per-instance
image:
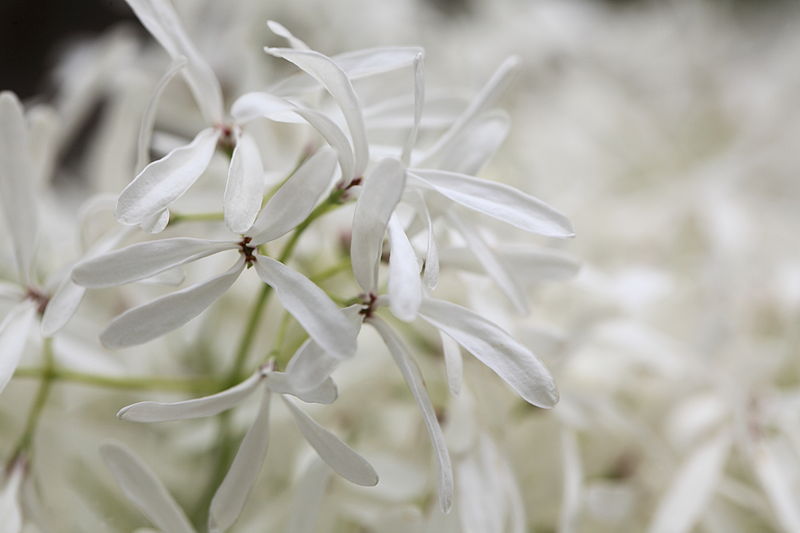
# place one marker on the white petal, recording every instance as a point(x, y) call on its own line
point(195, 408)
point(143, 488)
point(296, 198)
point(312, 308)
point(61, 306)
point(405, 285)
point(334, 136)
point(453, 363)
point(473, 148)
point(10, 507)
point(308, 496)
point(692, 488)
point(430, 273)
point(164, 181)
point(160, 19)
point(281, 31)
point(324, 70)
point(416, 385)
point(16, 184)
point(338, 455)
point(495, 348)
point(497, 200)
point(382, 190)
point(356, 64)
point(419, 101)
point(324, 393)
point(149, 115)
point(573, 482)
point(778, 485)
point(255, 105)
point(526, 262)
point(14, 331)
point(491, 264)
point(143, 260)
point(482, 102)
point(155, 223)
point(232, 494)
point(244, 189)
point(151, 320)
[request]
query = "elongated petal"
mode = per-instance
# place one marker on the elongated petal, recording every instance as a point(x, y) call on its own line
point(416, 385)
point(692, 488)
point(312, 308)
point(453, 363)
point(141, 486)
point(777, 484)
point(526, 262)
point(281, 31)
point(160, 19)
point(149, 115)
point(151, 320)
point(16, 184)
point(232, 494)
point(14, 331)
point(405, 285)
point(164, 181)
point(143, 260)
point(495, 348)
point(382, 190)
point(296, 198)
point(338, 455)
point(255, 105)
point(473, 148)
point(419, 101)
point(10, 507)
point(356, 64)
point(155, 223)
point(196, 408)
point(497, 200)
point(491, 264)
point(573, 482)
point(430, 273)
point(245, 187)
point(308, 496)
point(324, 393)
point(61, 306)
point(329, 74)
point(334, 136)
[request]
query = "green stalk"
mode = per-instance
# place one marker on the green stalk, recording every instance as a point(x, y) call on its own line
point(26, 440)
point(202, 384)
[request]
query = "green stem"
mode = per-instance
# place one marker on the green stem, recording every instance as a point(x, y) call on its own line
point(25, 441)
point(330, 272)
point(176, 218)
point(201, 384)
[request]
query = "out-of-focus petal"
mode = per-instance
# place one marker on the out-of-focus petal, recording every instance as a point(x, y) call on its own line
point(245, 186)
point(255, 105)
point(151, 320)
point(164, 181)
point(405, 285)
point(334, 136)
point(308, 496)
point(419, 101)
point(281, 31)
point(475, 145)
point(10, 507)
point(453, 363)
point(14, 331)
point(141, 486)
point(495, 348)
point(149, 115)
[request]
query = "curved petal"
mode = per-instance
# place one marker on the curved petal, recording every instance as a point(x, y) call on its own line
point(244, 189)
point(281, 31)
point(497, 200)
point(195, 408)
point(143, 488)
point(416, 385)
point(430, 272)
point(164, 181)
point(143, 260)
point(255, 105)
point(382, 191)
point(419, 101)
point(334, 136)
point(453, 363)
point(474, 146)
point(405, 285)
point(338, 455)
point(296, 198)
point(16, 183)
point(495, 348)
point(151, 320)
point(228, 501)
point(14, 331)
point(61, 306)
point(312, 308)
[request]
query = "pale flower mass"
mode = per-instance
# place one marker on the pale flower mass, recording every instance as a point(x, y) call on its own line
point(420, 266)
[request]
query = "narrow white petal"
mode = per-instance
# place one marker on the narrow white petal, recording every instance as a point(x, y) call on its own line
point(338, 455)
point(255, 105)
point(244, 189)
point(61, 306)
point(778, 485)
point(453, 363)
point(160, 19)
point(692, 488)
point(149, 115)
point(151, 320)
point(143, 260)
point(14, 331)
point(195, 408)
point(573, 482)
point(526, 262)
point(473, 148)
point(419, 101)
point(356, 64)
point(281, 31)
point(328, 73)
point(495, 348)
point(413, 378)
point(497, 200)
point(491, 263)
point(164, 181)
point(141, 486)
point(296, 198)
point(308, 496)
point(324, 393)
point(334, 136)
point(430, 273)
point(10, 507)
point(405, 285)
point(482, 102)
point(312, 308)
point(231, 495)
point(155, 223)
point(16, 183)
point(382, 190)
